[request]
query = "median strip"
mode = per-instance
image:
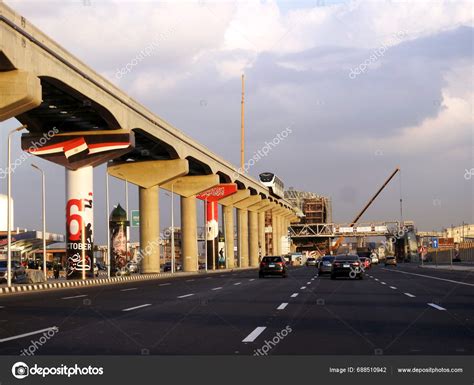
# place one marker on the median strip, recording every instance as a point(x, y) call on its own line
point(253, 336)
point(137, 307)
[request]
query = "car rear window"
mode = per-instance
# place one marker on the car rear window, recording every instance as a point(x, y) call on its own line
point(328, 259)
point(272, 259)
point(310, 259)
point(347, 257)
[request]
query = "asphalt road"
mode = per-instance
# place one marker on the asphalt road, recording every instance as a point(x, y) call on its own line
point(400, 310)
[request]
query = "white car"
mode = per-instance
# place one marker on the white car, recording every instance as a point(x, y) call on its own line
point(374, 258)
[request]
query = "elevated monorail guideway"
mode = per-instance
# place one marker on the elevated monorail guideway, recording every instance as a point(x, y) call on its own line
point(78, 119)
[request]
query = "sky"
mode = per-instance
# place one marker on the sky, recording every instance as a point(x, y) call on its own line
point(363, 86)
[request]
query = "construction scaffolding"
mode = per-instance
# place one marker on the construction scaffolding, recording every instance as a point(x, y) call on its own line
point(316, 208)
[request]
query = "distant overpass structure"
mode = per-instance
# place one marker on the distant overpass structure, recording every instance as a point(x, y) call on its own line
point(78, 119)
point(330, 230)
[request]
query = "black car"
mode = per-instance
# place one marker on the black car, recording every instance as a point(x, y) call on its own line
point(272, 265)
point(347, 266)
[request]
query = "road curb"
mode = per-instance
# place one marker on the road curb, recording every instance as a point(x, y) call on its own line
point(28, 288)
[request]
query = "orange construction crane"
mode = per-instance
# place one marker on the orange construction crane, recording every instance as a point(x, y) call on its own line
point(341, 238)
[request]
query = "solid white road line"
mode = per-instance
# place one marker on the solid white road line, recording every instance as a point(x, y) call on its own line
point(27, 334)
point(294, 295)
point(253, 336)
point(282, 306)
point(429, 276)
point(137, 307)
point(75, 296)
point(237, 283)
point(217, 288)
point(436, 306)
point(393, 287)
point(132, 288)
point(186, 295)
point(164, 284)
point(409, 295)
point(303, 287)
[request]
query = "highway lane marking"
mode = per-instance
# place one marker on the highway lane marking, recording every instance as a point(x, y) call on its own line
point(208, 278)
point(217, 288)
point(393, 287)
point(308, 283)
point(436, 306)
point(75, 296)
point(294, 295)
point(383, 283)
point(186, 295)
point(253, 336)
point(164, 284)
point(376, 279)
point(429, 276)
point(132, 288)
point(303, 287)
point(409, 295)
point(252, 279)
point(2, 307)
point(189, 280)
point(282, 306)
point(136, 307)
point(28, 334)
point(237, 283)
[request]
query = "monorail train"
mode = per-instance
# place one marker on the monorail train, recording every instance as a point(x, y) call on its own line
point(275, 184)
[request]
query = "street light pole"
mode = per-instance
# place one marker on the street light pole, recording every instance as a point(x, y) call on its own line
point(44, 218)
point(9, 211)
point(107, 209)
point(172, 230)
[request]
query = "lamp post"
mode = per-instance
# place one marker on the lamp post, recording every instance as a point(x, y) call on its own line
point(107, 209)
point(9, 211)
point(44, 218)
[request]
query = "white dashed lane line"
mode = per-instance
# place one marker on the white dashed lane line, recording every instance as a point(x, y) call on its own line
point(409, 295)
point(252, 279)
point(303, 287)
point(185, 295)
point(294, 295)
point(436, 306)
point(189, 280)
point(393, 288)
point(383, 283)
point(217, 288)
point(75, 296)
point(282, 306)
point(164, 284)
point(28, 334)
point(237, 283)
point(137, 307)
point(253, 336)
point(132, 288)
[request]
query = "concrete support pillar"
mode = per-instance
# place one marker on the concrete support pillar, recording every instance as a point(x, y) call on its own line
point(253, 239)
point(243, 236)
point(189, 233)
point(228, 212)
point(274, 234)
point(79, 223)
point(149, 229)
point(261, 233)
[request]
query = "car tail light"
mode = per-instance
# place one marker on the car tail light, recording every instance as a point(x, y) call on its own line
point(356, 263)
point(262, 264)
point(337, 264)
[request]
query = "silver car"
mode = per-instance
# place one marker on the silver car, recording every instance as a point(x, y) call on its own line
point(18, 271)
point(325, 264)
point(311, 262)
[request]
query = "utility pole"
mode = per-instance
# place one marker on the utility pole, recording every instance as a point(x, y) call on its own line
point(242, 127)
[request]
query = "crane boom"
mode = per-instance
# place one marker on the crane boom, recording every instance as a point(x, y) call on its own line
point(341, 238)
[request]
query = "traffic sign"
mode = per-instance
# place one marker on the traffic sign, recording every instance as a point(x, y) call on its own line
point(434, 243)
point(135, 218)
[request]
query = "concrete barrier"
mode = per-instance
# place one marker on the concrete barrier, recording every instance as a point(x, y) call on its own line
point(34, 276)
